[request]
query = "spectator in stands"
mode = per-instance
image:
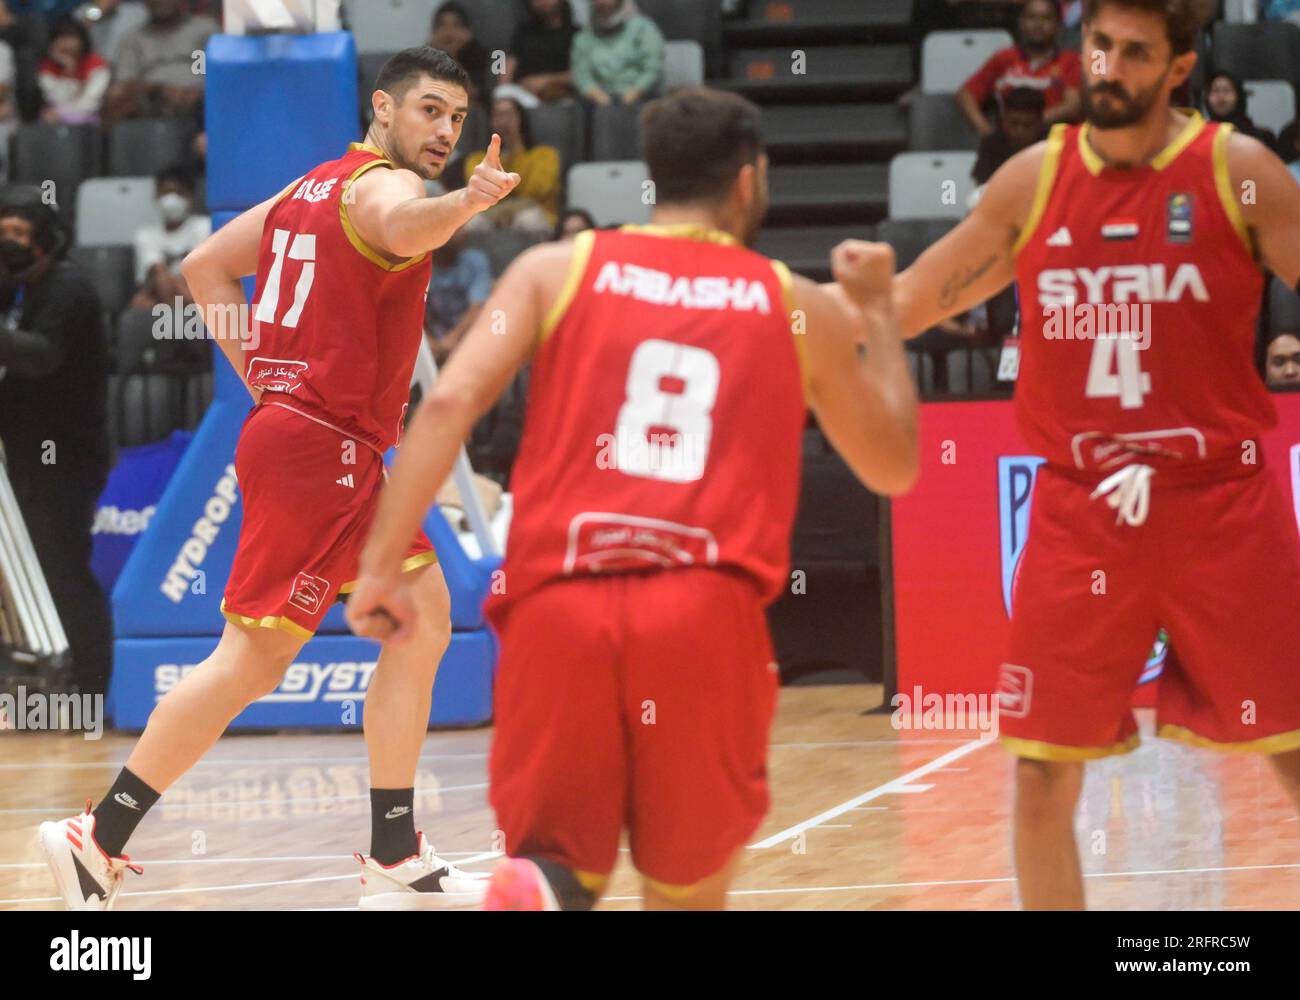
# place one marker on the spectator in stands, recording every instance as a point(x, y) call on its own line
point(539, 51)
point(73, 77)
point(452, 33)
point(1020, 125)
point(535, 204)
point(573, 222)
point(620, 57)
point(155, 71)
point(54, 420)
point(1037, 62)
point(159, 249)
point(460, 284)
point(1225, 101)
point(1282, 359)
point(109, 21)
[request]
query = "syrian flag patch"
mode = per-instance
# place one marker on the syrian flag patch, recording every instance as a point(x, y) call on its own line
point(1119, 229)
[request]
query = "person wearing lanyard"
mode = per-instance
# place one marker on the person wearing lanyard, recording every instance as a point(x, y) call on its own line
point(53, 422)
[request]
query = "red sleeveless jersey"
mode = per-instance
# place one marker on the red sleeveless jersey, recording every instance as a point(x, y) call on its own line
point(665, 414)
point(337, 325)
point(1139, 293)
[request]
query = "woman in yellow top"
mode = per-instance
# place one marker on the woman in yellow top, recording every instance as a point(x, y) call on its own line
point(535, 204)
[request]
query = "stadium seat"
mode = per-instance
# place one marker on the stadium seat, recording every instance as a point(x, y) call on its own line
point(948, 58)
point(144, 408)
point(972, 370)
point(613, 193)
point(807, 249)
point(935, 122)
point(562, 124)
point(63, 154)
point(1283, 308)
point(1257, 51)
point(494, 21)
point(111, 270)
point(910, 237)
point(683, 64)
point(140, 351)
point(1270, 103)
point(198, 394)
point(144, 146)
point(389, 25)
point(1241, 11)
point(930, 185)
point(502, 246)
point(700, 20)
point(111, 209)
point(615, 133)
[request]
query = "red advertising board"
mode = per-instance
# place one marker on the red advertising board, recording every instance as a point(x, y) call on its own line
point(957, 535)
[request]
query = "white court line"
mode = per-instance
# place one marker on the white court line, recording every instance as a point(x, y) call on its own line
point(202, 804)
point(975, 881)
point(899, 784)
point(230, 761)
point(15, 866)
point(482, 856)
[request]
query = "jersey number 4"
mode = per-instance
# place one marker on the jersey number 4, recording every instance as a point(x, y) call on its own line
point(1116, 371)
point(303, 249)
point(665, 425)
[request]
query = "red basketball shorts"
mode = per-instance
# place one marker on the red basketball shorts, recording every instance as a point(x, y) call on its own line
point(1216, 564)
point(310, 494)
point(639, 702)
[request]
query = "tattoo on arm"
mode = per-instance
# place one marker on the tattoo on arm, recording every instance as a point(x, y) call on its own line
point(961, 281)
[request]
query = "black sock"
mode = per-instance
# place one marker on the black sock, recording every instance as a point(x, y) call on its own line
point(121, 811)
point(392, 824)
point(569, 892)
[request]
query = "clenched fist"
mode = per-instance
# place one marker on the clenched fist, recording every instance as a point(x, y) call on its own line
point(866, 272)
point(490, 182)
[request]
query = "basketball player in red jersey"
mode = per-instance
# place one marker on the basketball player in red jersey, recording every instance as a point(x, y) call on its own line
point(1153, 508)
point(655, 493)
point(342, 262)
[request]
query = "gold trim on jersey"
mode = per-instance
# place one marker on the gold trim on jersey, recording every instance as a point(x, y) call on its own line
point(1046, 181)
point(1279, 743)
point(1223, 184)
point(582, 246)
point(800, 347)
point(1037, 750)
point(1166, 156)
point(682, 231)
point(369, 147)
point(360, 245)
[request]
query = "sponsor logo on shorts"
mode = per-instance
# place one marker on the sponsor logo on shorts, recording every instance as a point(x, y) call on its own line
point(308, 592)
point(601, 542)
point(1016, 477)
point(1015, 690)
point(304, 682)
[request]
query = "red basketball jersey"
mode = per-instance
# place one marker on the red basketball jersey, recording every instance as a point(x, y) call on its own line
point(337, 326)
point(1139, 293)
point(665, 414)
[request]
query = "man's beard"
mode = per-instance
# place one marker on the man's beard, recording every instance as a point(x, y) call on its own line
point(1131, 110)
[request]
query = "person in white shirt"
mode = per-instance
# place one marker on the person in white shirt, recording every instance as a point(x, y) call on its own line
point(73, 77)
point(109, 21)
point(159, 249)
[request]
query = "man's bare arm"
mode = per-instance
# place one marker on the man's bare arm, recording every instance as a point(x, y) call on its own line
point(213, 270)
point(976, 260)
point(1268, 198)
point(390, 210)
point(498, 343)
point(860, 387)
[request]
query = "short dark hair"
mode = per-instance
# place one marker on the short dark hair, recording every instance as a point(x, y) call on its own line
point(402, 71)
point(177, 172)
point(1184, 19)
point(451, 7)
point(68, 25)
point(1056, 11)
point(1025, 99)
point(525, 126)
point(695, 141)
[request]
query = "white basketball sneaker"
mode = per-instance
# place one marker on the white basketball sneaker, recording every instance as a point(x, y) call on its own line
point(88, 879)
point(421, 882)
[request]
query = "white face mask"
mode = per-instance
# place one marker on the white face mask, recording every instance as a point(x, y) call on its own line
point(173, 207)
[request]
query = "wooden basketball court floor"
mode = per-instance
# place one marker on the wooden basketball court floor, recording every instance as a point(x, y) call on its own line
point(863, 817)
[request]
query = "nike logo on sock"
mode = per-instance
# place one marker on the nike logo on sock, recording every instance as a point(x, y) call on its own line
point(122, 799)
point(396, 812)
